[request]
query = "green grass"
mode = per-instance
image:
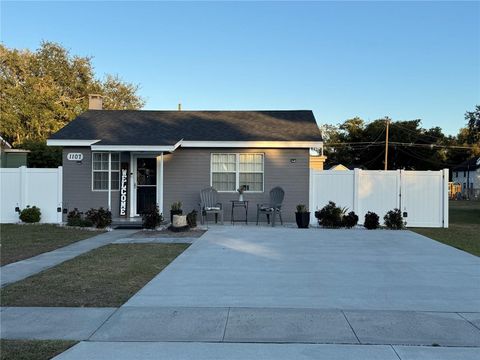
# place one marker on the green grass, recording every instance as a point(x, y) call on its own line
point(32, 349)
point(104, 277)
point(19, 242)
point(464, 227)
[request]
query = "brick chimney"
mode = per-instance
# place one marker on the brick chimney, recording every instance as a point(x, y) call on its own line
point(95, 102)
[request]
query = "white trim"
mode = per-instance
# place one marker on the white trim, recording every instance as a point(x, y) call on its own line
point(119, 172)
point(237, 171)
point(253, 144)
point(160, 189)
point(133, 187)
point(110, 180)
point(159, 148)
point(62, 142)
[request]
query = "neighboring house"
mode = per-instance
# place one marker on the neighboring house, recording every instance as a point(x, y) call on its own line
point(339, 167)
point(11, 158)
point(168, 156)
point(467, 175)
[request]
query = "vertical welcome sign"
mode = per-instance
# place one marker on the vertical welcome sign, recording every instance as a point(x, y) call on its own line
point(123, 189)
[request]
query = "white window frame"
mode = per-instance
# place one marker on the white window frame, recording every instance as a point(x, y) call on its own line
point(237, 171)
point(108, 171)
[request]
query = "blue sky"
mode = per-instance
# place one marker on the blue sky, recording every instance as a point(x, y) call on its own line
point(406, 60)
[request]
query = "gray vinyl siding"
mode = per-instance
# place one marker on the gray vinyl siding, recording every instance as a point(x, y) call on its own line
point(77, 183)
point(187, 171)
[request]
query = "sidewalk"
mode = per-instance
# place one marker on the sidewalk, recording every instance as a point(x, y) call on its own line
point(229, 351)
point(243, 325)
point(21, 269)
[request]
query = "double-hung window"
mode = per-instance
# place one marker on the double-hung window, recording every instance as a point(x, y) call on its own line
point(100, 171)
point(230, 171)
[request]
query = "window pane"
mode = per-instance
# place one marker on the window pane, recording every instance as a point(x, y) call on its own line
point(100, 180)
point(97, 165)
point(115, 180)
point(224, 162)
point(223, 181)
point(252, 181)
point(115, 157)
point(251, 162)
point(115, 165)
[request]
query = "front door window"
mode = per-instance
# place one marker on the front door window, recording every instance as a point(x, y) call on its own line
point(146, 184)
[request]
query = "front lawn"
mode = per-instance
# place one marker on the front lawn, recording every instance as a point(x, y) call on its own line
point(104, 277)
point(32, 349)
point(464, 227)
point(19, 242)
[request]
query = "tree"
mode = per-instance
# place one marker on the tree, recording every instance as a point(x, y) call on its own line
point(42, 91)
point(41, 155)
point(363, 144)
point(473, 125)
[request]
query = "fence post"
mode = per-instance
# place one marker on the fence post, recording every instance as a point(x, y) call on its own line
point(60, 193)
point(445, 197)
point(400, 189)
point(23, 187)
point(356, 186)
point(311, 196)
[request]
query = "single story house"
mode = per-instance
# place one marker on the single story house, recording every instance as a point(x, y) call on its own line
point(128, 160)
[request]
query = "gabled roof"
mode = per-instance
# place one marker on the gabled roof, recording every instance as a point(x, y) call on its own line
point(140, 127)
point(471, 164)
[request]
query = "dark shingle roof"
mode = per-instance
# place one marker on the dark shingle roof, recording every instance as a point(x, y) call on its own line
point(130, 127)
point(469, 165)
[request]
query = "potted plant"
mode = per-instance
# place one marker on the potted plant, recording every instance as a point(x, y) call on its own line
point(241, 190)
point(302, 216)
point(175, 209)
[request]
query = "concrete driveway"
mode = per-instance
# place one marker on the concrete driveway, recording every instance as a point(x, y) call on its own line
point(260, 267)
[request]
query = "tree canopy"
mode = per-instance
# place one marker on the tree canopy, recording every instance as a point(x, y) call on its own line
point(41, 91)
point(360, 144)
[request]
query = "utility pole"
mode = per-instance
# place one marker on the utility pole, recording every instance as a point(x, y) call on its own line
point(387, 121)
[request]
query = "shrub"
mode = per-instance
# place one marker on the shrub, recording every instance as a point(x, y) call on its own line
point(75, 218)
point(371, 221)
point(394, 220)
point(101, 217)
point(330, 215)
point(301, 208)
point(151, 219)
point(176, 206)
point(192, 219)
point(30, 214)
point(350, 220)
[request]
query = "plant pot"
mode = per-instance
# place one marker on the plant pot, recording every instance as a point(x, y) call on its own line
point(303, 220)
point(240, 197)
point(175, 212)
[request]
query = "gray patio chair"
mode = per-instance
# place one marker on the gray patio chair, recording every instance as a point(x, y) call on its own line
point(209, 204)
point(274, 207)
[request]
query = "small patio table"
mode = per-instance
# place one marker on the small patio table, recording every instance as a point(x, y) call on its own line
point(239, 204)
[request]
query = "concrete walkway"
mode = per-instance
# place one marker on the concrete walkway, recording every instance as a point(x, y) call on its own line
point(229, 351)
point(246, 266)
point(21, 269)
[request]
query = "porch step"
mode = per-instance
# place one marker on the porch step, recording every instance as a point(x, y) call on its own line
point(125, 224)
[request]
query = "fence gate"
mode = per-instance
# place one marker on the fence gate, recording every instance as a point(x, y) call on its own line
point(421, 195)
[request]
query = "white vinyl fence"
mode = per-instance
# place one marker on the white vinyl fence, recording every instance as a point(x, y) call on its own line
point(421, 195)
point(27, 186)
